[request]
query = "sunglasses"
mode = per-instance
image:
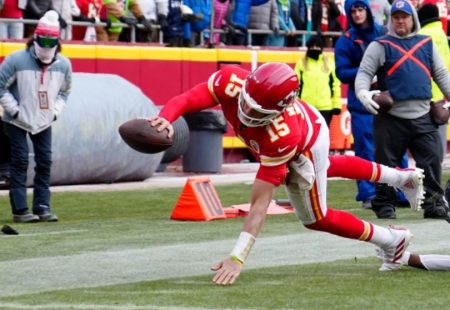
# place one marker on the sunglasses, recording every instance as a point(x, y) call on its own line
point(48, 42)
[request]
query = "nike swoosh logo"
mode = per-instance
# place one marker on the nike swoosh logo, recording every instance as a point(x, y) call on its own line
point(282, 149)
point(216, 83)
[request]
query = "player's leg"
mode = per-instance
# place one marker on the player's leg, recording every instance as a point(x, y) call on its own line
point(311, 209)
point(431, 262)
point(409, 181)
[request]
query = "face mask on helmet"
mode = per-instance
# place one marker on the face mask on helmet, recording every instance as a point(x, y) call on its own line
point(266, 93)
point(252, 114)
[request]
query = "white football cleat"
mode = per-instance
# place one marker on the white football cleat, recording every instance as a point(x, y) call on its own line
point(392, 254)
point(411, 185)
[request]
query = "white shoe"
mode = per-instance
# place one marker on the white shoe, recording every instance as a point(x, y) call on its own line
point(392, 254)
point(412, 186)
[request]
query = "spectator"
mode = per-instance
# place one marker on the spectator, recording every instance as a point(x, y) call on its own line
point(299, 14)
point(324, 15)
point(263, 17)
point(285, 24)
point(35, 10)
point(431, 25)
point(173, 30)
point(12, 9)
point(442, 5)
point(283, 132)
point(66, 10)
point(31, 112)
point(404, 62)
point(299, 18)
point(117, 12)
point(380, 10)
point(198, 22)
point(151, 10)
point(220, 12)
point(90, 11)
point(237, 21)
point(314, 71)
point(348, 53)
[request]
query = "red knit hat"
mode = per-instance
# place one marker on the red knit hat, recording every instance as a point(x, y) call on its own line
point(48, 25)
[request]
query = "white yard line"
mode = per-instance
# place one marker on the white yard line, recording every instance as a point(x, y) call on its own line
point(94, 269)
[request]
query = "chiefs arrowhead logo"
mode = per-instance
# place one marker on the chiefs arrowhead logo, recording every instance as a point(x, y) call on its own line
point(288, 99)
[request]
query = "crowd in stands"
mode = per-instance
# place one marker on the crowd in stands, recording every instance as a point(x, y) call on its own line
point(187, 23)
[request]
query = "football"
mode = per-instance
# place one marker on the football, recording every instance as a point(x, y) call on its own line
point(384, 100)
point(439, 113)
point(142, 137)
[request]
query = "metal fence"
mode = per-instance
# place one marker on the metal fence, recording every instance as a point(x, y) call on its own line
point(249, 33)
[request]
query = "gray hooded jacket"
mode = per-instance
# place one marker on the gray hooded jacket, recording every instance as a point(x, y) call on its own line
point(374, 58)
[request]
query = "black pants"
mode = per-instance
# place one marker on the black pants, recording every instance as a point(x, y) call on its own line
point(394, 136)
point(327, 115)
point(5, 153)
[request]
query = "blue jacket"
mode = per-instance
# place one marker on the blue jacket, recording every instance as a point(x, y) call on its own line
point(349, 51)
point(242, 11)
point(174, 22)
point(203, 7)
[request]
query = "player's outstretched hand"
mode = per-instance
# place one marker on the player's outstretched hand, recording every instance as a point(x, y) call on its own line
point(162, 124)
point(227, 271)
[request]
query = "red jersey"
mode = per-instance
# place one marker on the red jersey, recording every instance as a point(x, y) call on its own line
point(11, 10)
point(274, 145)
point(89, 8)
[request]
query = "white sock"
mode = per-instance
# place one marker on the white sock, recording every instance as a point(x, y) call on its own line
point(381, 236)
point(435, 262)
point(390, 176)
point(405, 258)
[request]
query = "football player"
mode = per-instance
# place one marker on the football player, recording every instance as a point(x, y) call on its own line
point(290, 139)
point(430, 262)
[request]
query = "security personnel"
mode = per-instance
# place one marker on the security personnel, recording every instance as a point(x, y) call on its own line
point(405, 62)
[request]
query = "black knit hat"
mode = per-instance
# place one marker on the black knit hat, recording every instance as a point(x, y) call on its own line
point(428, 13)
point(315, 40)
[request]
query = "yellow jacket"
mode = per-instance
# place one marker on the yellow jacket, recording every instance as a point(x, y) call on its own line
point(439, 38)
point(319, 85)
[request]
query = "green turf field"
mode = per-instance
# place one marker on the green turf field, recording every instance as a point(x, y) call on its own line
point(119, 250)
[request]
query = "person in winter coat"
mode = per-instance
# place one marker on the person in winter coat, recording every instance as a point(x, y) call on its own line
point(285, 24)
point(263, 17)
point(35, 9)
point(219, 19)
point(431, 25)
point(348, 53)
point(405, 64)
point(34, 86)
point(12, 9)
point(314, 71)
point(117, 12)
point(199, 20)
point(325, 17)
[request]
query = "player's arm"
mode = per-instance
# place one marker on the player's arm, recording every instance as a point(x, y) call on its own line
point(267, 180)
point(196, 99)
point(228, 270)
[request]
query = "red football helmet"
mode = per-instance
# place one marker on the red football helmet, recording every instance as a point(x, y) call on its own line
point(266, 93)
